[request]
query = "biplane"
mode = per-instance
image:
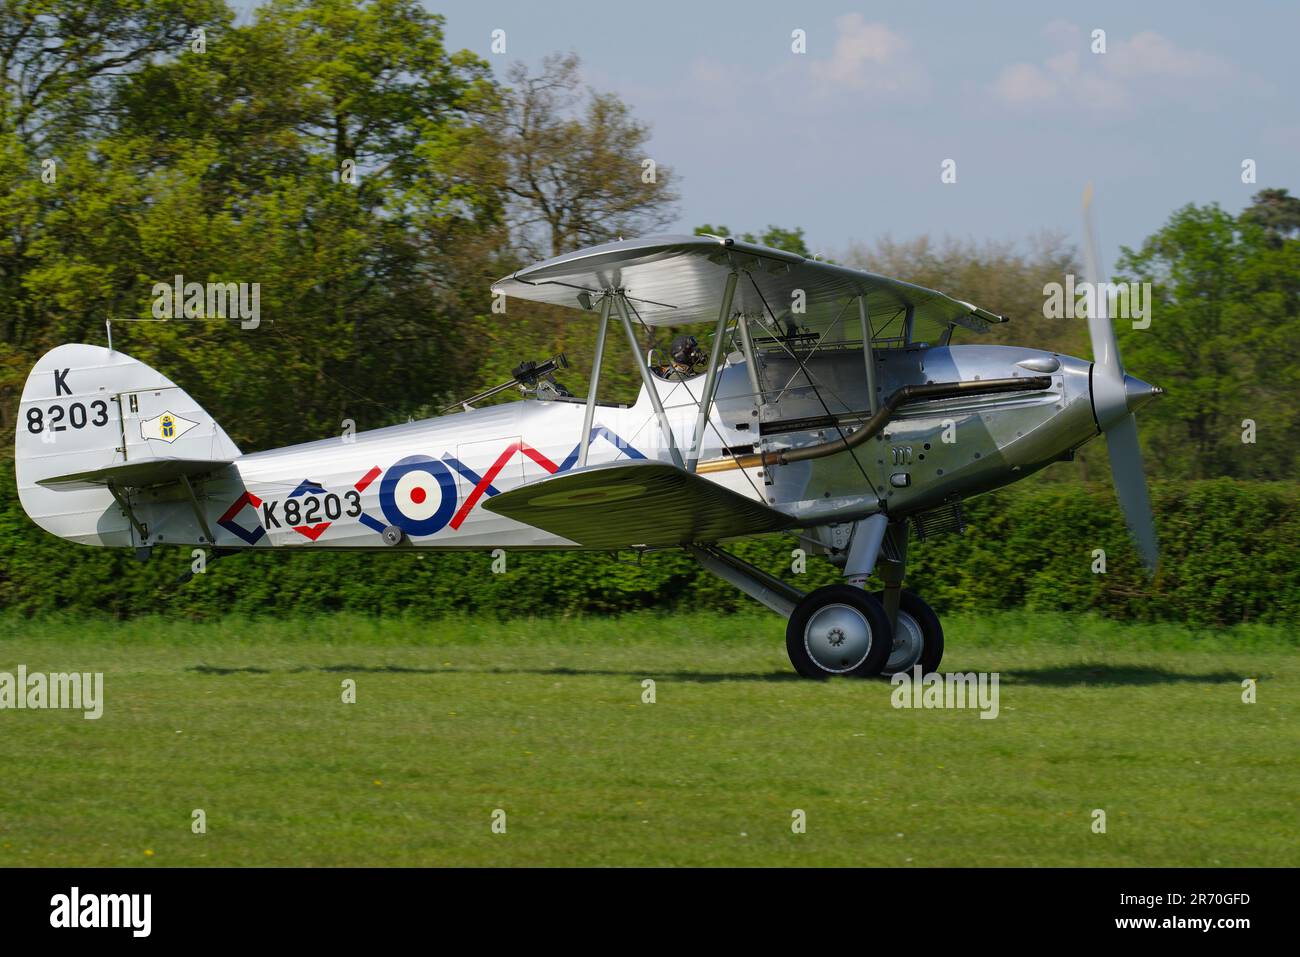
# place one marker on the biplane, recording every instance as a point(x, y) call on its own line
point(830, 405)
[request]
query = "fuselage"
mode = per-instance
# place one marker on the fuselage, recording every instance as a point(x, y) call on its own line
point(430, 478)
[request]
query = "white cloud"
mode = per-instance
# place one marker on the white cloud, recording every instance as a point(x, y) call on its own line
point(1135, 69)
point(1150, 54)
point(866, 57)
point(1025, 83)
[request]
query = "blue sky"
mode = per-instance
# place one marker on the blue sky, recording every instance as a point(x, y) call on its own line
point(847, 139)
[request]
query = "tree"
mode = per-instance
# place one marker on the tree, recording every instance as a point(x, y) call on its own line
point(1224, 325)
point(1002, 277)
point(574, 170)
point(60, 63)
point(231, 165)
point(575, 164)
point(59, 59)
point(1277, 212)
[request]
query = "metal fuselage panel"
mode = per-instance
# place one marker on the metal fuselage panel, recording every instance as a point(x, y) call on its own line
point(932, 451)
point(342, 492)
point(430, 478)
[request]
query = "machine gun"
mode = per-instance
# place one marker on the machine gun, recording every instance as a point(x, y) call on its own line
point(539, 376)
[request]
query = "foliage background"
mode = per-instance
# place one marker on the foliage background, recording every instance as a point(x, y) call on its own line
point(1229, 555)
point(226, 164)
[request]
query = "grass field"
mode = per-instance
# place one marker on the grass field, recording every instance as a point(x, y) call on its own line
point(545, 721)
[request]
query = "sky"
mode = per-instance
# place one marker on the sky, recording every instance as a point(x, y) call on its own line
point(849, 139)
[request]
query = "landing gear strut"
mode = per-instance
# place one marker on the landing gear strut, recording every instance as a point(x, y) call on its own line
point(918, 636)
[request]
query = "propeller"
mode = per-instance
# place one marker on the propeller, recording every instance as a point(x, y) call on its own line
point(1115, 397)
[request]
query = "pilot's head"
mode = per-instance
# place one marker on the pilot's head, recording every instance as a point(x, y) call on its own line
point(686, 354)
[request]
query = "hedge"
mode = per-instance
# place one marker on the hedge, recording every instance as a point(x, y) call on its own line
point(1230, 553)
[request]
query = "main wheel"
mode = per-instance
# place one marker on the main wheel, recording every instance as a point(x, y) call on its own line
point(918, 639)
point(838, 630)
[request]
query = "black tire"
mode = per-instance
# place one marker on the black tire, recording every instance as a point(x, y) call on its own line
point(911, 604)
point(866, 651)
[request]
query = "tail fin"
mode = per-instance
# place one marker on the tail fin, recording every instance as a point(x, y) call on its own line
point(96, 425)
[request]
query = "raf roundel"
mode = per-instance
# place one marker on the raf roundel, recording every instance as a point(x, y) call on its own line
point(418, 495)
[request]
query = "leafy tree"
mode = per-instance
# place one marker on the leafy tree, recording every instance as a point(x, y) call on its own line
point(229, 165)
point(1224, 324)
point(59, 59)
point(60, 63)
point(1277, 212)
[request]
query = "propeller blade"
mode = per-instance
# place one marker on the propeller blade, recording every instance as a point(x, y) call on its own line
point(1108, 398)
point(1091, 261)
point(1114, 396)
point(1131, 488)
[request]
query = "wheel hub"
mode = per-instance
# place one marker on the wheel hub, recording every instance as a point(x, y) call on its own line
point(838, 638)
point(909, 642)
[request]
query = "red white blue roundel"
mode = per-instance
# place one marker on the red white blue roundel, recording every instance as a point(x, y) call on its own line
point(418, 495)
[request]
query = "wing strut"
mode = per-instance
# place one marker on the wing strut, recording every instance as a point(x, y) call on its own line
point(649, 380)
point(873, 396)
point(711, 379)
point(751, 364)
point(606, 303)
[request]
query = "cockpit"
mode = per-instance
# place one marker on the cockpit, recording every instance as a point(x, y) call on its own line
point(685, 359)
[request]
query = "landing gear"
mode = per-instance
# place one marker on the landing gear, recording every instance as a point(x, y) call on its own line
point(918, 636)
point(830, 633)
point(838, 630)
point(844, 629)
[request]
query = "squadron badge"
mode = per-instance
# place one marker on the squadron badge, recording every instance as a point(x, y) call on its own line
point(167, 427)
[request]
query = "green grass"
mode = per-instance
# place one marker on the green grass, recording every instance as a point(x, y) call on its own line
point(544, 719)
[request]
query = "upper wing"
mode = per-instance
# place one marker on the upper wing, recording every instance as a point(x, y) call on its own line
point(674, 280)
point(636, 503)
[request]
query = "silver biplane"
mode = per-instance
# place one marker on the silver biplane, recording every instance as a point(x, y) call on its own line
point(829, 405)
